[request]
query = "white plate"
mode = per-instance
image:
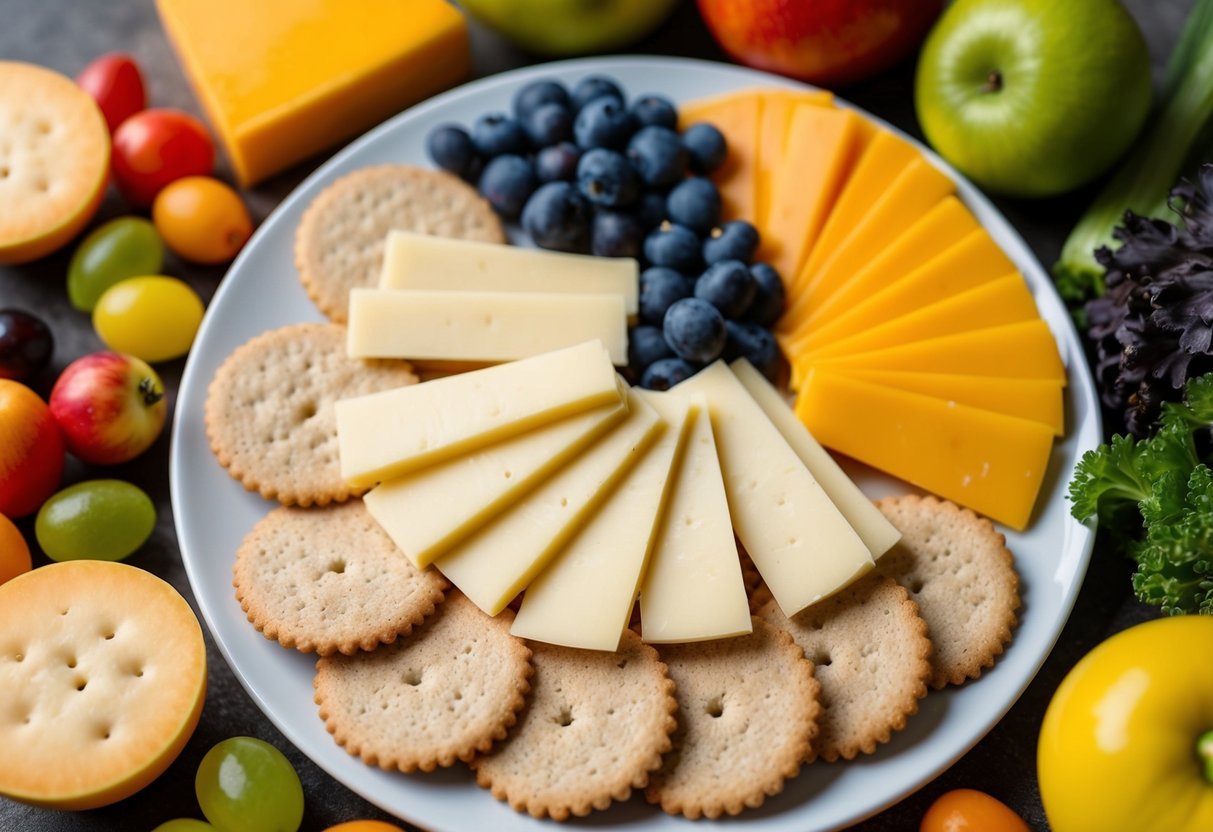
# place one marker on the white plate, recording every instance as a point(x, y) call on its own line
point(213, 512)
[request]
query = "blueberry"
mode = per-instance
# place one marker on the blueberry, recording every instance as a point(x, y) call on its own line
point(694, 329)
point(450, 147)
point(660, 287)
point(706, 147)
point(594, 86)
point(496, 134)
point(605, 178)
point(548, 125)
point(557, 217)
point(646, 344)
point(537, 93)
point(695, 203)
point(768, 301)
point(558, 162)
point(737, 240)
point(729, 286)
point(603, 123)
point(672, 245)
point(653, 110)
point(658, 156)
point(507, 183)
point(649, 209)
point(615, 234)
point(664, 373)
point(755, 344)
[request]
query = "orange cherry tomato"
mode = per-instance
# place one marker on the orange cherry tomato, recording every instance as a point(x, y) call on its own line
point(968, 810)
point(201, 219)
point(364, 826)
point(14, 553)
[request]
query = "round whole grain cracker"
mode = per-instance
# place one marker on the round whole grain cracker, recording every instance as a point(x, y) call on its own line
point(596, 726)
point(747, 713)
point(270, 411)
point(871, 655)
point(443, 693)
point(339, 243)
point(958, 570)
point(330, 579)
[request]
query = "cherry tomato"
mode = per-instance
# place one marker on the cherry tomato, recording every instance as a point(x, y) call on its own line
point(122, 248)
point(14, 552)
point(154, 318)
point(968, 810)
point(201, 219)
point(364, 826)
point(156, 147)
point(116, 84)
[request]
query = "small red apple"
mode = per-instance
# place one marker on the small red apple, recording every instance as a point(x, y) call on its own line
point(31, 450)
point(828, 42)
point(110, 406)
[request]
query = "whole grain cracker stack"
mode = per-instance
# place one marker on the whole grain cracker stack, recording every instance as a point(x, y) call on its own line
point(871, 655)
point(958, 570)
point(445, 692)
point(329, 579)
point(269, 411)
point(747, 713)
point(595, 728)
point(339, 243)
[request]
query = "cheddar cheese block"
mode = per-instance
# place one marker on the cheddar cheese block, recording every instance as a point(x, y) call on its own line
point(388, 434)
point(424, 261)
point(800, 542)
point(481, 326)
point(585, 596)
point(990, 462)
point(428, 511)
point(693, 590)
point(497, 562)
point(736, 116)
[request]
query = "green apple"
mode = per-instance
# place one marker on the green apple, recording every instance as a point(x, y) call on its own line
point(571, 27)
point(1033, 97)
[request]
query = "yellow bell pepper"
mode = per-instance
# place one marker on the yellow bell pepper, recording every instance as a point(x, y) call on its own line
point(1127, 742)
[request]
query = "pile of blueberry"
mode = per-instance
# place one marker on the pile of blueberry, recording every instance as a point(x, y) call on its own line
point(583, 171)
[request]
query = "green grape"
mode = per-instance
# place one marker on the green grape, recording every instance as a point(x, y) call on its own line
point(95, 520)
point(122, 248)
point(246, 785)
point(184, 825)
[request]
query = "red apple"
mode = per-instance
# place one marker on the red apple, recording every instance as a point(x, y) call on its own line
point(31, 450)
point(110, 406)
point(827, 42)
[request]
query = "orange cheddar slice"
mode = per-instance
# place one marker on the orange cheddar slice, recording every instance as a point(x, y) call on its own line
point(1026, 398)
point(736, 116)
point(990, 462)
point(775, 117)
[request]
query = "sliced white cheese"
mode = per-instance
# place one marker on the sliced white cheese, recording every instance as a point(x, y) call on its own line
point(497, 562)
point(422, 261)
point(387, 434)
point(692, 589)
point(801, 544)
point(876, 532)
point(585, 596)
point(428, 511)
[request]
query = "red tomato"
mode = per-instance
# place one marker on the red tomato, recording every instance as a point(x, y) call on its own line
point(156, 147)
point(115, 83)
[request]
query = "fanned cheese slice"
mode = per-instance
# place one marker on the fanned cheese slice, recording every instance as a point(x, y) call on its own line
point(736, 116)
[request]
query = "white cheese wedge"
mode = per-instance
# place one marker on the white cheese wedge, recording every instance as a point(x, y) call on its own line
point(430, 510)
point(692, 589)
point(497, 562)
point(801, 544)
point(422, 261)
point(877, 533)
point(480, 326)
point(387, 434)
point(585, 596)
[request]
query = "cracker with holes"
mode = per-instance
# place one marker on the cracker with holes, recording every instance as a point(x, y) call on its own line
point(871, 655)
point(102, 679)
point(443, 693)
point(747, 713)
point(596, 726)
point(339, 243)
point(959, 571)
point(270, 417)
point(329, 579)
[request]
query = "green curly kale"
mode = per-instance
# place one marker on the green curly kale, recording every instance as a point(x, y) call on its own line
point(1175, 561)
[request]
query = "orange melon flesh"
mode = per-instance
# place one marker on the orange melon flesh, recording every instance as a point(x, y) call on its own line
point(736, 116)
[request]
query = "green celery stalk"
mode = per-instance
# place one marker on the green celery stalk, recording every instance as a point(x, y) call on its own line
point(1145, 177)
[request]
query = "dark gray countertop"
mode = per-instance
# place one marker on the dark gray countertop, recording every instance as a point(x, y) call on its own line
point(66, 34)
